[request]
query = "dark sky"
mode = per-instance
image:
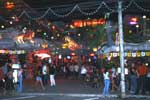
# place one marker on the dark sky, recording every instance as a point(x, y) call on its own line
point(53, 3)
point(62, 6)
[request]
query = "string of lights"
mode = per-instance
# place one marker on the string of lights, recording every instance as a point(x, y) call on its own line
point(79, 8)
point(91, 13)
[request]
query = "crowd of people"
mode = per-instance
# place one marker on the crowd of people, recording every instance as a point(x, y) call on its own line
point(11, 80)
point(107, 79)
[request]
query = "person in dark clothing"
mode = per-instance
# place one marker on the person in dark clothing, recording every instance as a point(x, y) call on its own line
point(148, 81)
point(133, 80)
point(142, 70)
point(52, 71)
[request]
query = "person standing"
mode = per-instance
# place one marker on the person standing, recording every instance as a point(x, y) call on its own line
point(83, 72)
point(76, 69)
point(20, 81)
point(5, 69)
point(44, 73)
point(133, 80)
point(106, 77)
point(52, 71)
point(148, 81)
point(142, 70)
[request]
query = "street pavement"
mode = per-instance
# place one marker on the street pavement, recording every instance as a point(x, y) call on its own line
point(66, 89)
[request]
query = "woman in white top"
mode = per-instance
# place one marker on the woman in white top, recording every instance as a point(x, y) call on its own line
point(106, 82)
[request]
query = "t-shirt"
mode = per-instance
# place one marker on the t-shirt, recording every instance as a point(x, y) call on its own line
point(106, 75)
point(83, 70)
point(44, 70)
point(142, 70)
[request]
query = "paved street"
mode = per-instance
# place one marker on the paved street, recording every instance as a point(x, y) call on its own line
point(66, 90)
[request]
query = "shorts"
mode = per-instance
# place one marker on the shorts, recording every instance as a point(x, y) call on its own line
point(38, 78)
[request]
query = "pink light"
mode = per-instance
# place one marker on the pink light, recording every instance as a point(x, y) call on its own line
point(133, 23)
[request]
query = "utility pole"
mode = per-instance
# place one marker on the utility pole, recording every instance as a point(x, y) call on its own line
point(121, 47)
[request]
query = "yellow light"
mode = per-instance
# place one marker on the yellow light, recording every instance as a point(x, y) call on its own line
point(71, 26)
point(138, 54)
point(147, 53)
point(94, 49)
point(64, 46)
point(129, 54)
point(130, 31)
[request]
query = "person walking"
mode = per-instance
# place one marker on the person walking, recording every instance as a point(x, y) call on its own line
point(39, 78)
point(106, 77)
point(52, 71)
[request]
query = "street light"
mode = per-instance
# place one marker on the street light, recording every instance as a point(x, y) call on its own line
point(137, 28)
point(144, 25)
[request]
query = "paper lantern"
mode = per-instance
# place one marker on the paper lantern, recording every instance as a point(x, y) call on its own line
point(14, 52)
point(115, 54)
point(134, 54)
point(138, 54)
point(129, 54)
point(18, 52)
point(147, 53)
point(143, 54)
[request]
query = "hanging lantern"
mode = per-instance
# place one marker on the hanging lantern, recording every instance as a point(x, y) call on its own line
point(6, 51)
point(10, 52)
point(115, 54)
point(134, 54)
point(138, 54)
point(22, 52)
point(147, 53)
point(14, 52)
point(142, 54)
point(129, 54)
point(18, 52)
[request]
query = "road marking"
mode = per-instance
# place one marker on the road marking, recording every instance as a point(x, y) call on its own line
point(67, 94)
point(19, 98)
point(82, 95)
point(91, 99)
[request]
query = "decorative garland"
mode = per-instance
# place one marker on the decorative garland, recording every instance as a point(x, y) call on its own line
point(77, 7)
point(12, 51)
point(126, 54)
